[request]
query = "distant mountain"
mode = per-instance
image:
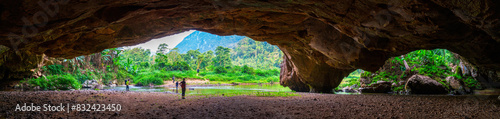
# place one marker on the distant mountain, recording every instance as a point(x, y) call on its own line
point(206, 41)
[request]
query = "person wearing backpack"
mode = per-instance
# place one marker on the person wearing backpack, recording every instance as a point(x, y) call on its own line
point(183, 87)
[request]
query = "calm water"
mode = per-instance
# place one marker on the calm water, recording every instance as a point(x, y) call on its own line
point(208, 89)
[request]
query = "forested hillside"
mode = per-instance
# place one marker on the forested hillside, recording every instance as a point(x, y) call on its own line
point(261, 55)
point(205, 41)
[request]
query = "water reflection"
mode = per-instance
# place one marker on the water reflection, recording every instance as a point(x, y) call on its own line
point(207, 89)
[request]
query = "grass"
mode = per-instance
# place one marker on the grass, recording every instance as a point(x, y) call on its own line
point(148, 76)
point(240, 77)
point(251, 93)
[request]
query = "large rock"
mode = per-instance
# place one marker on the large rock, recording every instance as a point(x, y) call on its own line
point(350, 89)
point(289, 78)
point(420, 84)
point(324, 40)
point(379, 87)
point(454, 82)
point(457, 86)
point(365, 80)
point(90, 84)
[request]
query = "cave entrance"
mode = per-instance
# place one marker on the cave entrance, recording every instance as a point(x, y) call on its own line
point(444, 70)
point(202, 58)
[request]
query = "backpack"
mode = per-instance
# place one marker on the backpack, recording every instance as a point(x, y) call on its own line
point(183, 84)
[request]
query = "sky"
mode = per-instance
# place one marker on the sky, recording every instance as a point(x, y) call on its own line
point(171, 41)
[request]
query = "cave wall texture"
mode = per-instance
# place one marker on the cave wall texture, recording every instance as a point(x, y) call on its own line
point(323, 40)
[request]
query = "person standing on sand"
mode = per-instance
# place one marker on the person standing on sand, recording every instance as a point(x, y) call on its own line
point(173, 79)
point(176, 85)
point(126, 83)
point(183, 87)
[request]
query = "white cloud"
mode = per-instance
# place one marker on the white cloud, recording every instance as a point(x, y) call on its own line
point(171, 41)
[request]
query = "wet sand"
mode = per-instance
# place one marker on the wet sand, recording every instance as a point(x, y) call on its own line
point(308, 105)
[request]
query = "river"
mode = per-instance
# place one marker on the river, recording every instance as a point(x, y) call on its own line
point(208, 89)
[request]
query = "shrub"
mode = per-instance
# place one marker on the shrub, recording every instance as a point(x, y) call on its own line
point(214, 78)
point(471, 82)
point(147, 80)
point(220, 69)
point(56, 82)
point(248, 70)
point(182, 66)
point(433, 71)
point(384, 76)
point(83, 77)
point(267, 73)
point(53, 69)
point(122, 75)
point(108, 77)
point(349, 82)
point(366, 74)
point(399, 88)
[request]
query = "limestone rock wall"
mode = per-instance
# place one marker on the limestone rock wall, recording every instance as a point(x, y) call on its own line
point(323, 40)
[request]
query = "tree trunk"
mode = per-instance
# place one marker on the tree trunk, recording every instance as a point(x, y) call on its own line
point(406, 64)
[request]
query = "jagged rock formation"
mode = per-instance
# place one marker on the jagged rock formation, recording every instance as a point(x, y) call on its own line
point(323, 40)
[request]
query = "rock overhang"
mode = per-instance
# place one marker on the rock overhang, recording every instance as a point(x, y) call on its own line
point(323, 40)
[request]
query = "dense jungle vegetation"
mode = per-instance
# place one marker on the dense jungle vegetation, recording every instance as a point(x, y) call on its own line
point(437, 64)
point(248, 62)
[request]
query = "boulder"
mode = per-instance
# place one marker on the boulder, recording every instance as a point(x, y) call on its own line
point(420, 84)
point(112, 85)
point(98, 86)
point(379, 87)
point(457, 86)
point(365, 80)
point(90, 83)
point(462, 91)
point(350, 89)
point(354, 86)
point(454, 82)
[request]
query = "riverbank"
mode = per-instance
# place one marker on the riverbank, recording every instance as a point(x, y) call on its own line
point(204, 83)
point(308, 105)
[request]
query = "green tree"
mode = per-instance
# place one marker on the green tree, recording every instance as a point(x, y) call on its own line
point(222, 57)
point(174, 55)
point(191, 57)
point(206, 60)
point(260, 55)
point(162, 48)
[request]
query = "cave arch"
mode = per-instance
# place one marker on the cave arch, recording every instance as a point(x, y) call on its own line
point(323, 40)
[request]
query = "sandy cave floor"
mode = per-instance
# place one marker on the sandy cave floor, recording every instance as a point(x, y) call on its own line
point(308, 105)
